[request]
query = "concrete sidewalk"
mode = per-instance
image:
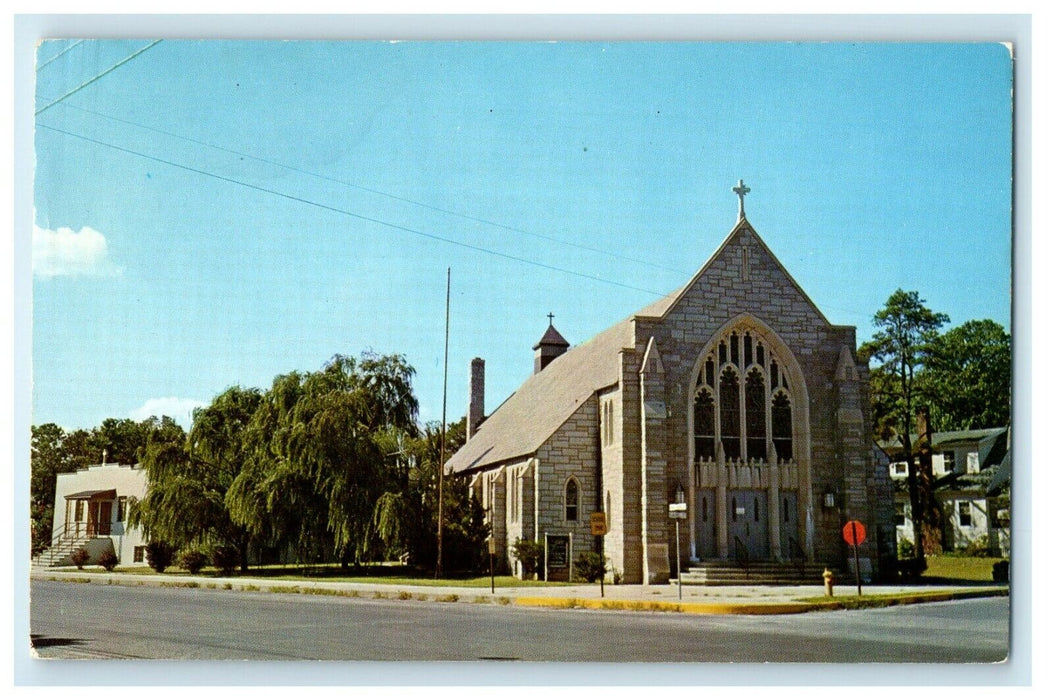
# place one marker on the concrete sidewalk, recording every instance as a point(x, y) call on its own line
point(745, 600)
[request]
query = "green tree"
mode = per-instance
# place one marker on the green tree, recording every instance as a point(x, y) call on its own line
point(321, 458)
point(906, 331)
point(967, 377)
point(189, 476)
point(48, 458)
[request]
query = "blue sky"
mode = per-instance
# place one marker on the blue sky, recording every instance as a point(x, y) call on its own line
point(216, 213)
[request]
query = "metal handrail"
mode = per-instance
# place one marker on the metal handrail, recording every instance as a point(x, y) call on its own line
point(742, 555)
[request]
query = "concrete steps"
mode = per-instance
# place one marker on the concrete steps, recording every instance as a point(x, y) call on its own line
point(760, 573)
point(59, 553)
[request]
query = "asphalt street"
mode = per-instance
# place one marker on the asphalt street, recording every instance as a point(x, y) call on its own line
point(71, 621)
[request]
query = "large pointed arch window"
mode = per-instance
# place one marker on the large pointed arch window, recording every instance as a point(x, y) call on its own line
point(743, 399)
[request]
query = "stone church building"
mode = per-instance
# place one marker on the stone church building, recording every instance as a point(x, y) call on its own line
point(734, 391)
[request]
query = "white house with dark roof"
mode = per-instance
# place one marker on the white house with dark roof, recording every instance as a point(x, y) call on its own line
point(734, 391)
point(971, 470)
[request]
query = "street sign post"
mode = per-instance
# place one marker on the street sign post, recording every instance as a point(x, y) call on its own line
point(598, 527)
point(678, 512)
point(855, 534)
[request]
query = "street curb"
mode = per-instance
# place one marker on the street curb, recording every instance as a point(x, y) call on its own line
point(791, 608)
point(396, 593)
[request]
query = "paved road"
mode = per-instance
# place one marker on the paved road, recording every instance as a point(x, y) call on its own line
point(70, 620)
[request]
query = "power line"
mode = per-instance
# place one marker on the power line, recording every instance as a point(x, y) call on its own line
point(381, 193)
point(60, 54)
point(88, 82)
point(347, 212)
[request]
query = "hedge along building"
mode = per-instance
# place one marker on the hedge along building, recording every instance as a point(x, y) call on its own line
point(735, 389)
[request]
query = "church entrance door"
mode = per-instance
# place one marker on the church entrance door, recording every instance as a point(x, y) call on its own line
point(705, 525)
point(748, 523)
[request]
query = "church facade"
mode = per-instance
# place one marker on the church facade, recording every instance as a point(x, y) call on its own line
point(733, 394)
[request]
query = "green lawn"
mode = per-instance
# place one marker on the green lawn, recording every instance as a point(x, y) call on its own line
point(954, 569)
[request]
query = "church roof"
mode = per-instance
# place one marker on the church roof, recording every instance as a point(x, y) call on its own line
point(546, 400)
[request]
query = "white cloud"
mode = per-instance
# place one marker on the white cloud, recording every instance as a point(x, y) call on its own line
point(180, 410)
point(65, 252)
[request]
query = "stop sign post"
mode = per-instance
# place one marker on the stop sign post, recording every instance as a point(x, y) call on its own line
point(855, 534)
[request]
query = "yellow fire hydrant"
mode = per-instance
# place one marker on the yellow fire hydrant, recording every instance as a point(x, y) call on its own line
point(828, 581)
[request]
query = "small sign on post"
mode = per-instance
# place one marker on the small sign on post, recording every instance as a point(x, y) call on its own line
point(678, 512)
point(598, 523)
point(855, 534)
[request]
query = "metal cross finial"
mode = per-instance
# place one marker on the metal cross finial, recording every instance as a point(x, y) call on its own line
point(550, 317)
point(741, 191)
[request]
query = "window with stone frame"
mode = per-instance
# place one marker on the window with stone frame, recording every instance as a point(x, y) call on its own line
point(571, 495)
point(743, 401)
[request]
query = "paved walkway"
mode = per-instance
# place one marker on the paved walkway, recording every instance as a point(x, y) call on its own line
point(692, 599)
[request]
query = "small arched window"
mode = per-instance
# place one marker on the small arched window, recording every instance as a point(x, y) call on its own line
point(571, 500)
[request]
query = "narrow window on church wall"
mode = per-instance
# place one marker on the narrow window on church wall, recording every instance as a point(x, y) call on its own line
point(747, 349)
point(709, 372)
point(756, 403)
point(735, 349)
point(760, 354)
point(722, 354)
point(705, 428)
point(730, 423)
point(734, 510)
point(782, 426)
point(572, 500)
point(774, 374)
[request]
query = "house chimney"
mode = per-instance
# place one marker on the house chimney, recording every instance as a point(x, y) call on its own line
point(551, 346)
point(476, 395)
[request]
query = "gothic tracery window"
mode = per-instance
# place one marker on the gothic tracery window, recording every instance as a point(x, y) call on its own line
point(743, 400)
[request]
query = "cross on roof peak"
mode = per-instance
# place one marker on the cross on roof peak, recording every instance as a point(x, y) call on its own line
point(550, 317)
point(741, 190)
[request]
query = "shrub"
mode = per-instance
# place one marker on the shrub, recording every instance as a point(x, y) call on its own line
point(192, 560)
point(590, 566)
point(108, 560)
point(980, 547)
point(910, 570)
point(225, 559)
point(159, 556)
point(905, 549)
point(80, 557)
point(1000, 571)
point(529, 554)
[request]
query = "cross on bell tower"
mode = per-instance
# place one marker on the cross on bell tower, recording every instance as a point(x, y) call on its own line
point(741, 191)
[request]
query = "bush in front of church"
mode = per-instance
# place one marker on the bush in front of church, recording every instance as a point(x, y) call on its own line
point(590, 566)
point(529, 554)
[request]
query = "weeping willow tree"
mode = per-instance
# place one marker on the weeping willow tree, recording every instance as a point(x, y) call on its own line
point(320, 463)
point(188, 480)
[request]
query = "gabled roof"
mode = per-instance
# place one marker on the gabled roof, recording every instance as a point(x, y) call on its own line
point(660, 308)
point(986, 440)
point(546, 400)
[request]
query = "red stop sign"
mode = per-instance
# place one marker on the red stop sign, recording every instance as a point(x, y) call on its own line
point(854, 532)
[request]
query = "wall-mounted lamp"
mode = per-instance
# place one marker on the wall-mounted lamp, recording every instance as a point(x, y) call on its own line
point(679, 493)
point(828, 500)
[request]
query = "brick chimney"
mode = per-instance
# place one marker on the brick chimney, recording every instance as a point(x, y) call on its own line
point(476, 395)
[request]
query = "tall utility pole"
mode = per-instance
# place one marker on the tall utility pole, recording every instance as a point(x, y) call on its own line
point(442, 430)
